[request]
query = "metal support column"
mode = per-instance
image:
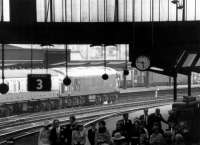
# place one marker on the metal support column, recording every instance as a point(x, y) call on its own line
point(132, 78)
point(175, 87)
point(147, 79)
point(124, 82)
point(189, 84)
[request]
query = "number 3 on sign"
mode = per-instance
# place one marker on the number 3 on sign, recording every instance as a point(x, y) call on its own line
point(39, 84)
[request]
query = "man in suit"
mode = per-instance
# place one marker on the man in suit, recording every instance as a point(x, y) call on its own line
point(55, 133)
point(91, 134)
point(145, 119)
point(126, 126)
point(156, 118)
point(67, 131)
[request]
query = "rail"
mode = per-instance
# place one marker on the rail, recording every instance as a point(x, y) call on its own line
point(64, 112)
point(28, 118)
point(144, 104)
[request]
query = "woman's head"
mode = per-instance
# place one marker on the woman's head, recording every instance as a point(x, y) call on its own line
point(72, 119)
point(137, 122)
point(56, 123)
point(118, 125)
point(179, 138)
point(80, 127)
point(102, 124)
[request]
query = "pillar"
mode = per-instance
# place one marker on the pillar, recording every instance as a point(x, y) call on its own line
point(175, 87)
point(124, 82)
point(189, 84)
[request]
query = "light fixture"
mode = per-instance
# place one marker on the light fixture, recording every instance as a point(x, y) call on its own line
point(105, 75)
point(67, 81)
point(175, 1)
point(126, 71)
point(4, 88)
point(156, 69)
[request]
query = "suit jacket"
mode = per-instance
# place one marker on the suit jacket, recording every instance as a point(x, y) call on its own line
point(145, 122)
point(91, 136)
point(54, 137)
point(127, 127)
point(153, 118)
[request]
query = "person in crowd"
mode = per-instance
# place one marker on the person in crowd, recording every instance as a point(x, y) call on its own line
point(135, 132)
point(55, 133)
point(156, 118)
point(66, 134)
point(179, 140)
point(156, 137)
point(91, 134)
point(126, 126)
point(118, 139)
point(184, 131)
point(119, 128)
point(172, 120)
point(144, 136)
point(44, 134)
point(79, 136)
point(168, 135)
point(102, 135)
point(145, 118)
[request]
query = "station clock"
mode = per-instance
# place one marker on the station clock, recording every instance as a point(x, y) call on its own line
point(142, 63)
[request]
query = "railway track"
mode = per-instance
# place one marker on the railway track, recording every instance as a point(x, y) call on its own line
point(84, 113)
point(124, 97)
point(29, 128)
point(24, 124)
point(21, 119)
point(42, 116)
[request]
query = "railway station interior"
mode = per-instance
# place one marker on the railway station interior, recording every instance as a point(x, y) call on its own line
point(100, 72)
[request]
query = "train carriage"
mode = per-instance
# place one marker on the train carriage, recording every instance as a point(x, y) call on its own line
point(87, 88)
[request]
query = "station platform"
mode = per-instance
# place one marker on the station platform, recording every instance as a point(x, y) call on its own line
point(159, 88)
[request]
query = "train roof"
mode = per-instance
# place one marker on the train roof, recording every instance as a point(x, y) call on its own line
point(72, 72)
point(85, 71)
point(22, 73)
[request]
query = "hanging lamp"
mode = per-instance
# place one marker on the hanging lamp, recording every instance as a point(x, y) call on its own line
point(126, 71)
point(175, 1)
point(105, 75)
point(67, 81)
point(4, 88)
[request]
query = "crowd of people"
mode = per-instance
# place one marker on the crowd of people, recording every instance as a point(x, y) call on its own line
point(143, 130)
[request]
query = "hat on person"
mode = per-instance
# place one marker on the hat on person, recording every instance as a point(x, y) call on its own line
point(46, 123)
point(179, 138)
point(118, 136)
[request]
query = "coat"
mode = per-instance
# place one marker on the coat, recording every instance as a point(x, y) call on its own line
point(102, 137)
point(54, 137)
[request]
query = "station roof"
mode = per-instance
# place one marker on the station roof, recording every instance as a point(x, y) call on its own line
point(166, 43)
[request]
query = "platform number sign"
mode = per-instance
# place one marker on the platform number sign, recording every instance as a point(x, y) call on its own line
point(39, 82)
